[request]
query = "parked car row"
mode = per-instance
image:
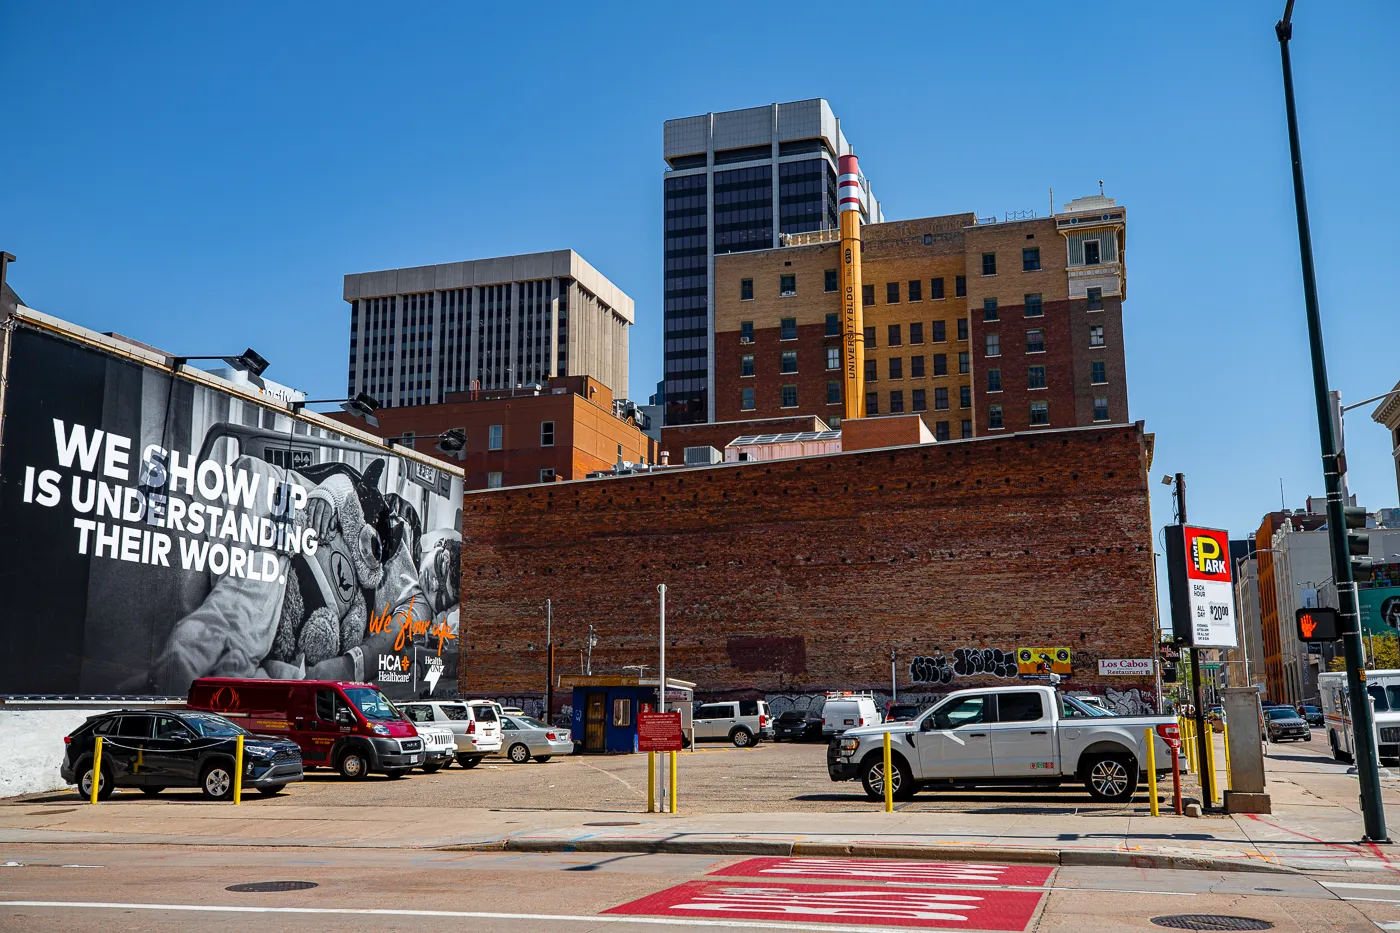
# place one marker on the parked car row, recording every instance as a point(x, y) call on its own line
point(842, 710)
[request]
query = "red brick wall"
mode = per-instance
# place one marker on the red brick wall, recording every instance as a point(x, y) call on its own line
point(1035, 540)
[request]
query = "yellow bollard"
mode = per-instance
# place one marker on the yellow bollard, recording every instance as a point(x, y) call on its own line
point(238, 772)
point(96, 770)
point(673, 781)
point(1225, 731)
point(1151, 770)
point(889, 778)
point(651, 782)
point(1209, 767)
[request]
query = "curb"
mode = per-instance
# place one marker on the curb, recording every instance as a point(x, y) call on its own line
point(1064, 857)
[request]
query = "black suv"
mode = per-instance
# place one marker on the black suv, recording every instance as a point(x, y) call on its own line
point(797, 725)
point(154, 750)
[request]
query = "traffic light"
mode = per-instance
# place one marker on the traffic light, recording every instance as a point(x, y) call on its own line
point(1317, 625)
point(1358, 544)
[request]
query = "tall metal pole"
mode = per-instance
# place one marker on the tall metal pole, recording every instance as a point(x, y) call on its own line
point(894, 682)
point(661, 685)
point(549, 661)
point(1199, 716)
point(1367, 769)
point(588, 670)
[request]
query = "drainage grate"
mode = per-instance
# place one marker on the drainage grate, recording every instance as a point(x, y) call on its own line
point(1210, 922)
point(259, 887)
point(616, 823)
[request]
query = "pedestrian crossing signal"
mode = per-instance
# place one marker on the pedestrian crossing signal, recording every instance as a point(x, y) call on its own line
point(1317, 625)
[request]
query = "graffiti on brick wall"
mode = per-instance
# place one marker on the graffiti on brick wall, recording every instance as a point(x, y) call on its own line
point(965, 662)
point(1130, 702)
point(533, 706)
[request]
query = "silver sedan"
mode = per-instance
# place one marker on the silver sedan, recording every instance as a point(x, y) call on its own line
point(523, 738)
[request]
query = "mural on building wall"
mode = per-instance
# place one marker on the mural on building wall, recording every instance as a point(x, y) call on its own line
point(965, 662)
point(1130, 702)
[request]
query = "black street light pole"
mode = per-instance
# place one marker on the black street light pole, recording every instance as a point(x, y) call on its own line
point(1373, 813)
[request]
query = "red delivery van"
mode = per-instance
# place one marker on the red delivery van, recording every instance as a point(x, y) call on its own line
point(347, 726)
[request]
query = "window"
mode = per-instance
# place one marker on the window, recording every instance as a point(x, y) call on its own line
point(787, 328)
point(964, 363)
point(1095, 335)
point(746, 364)
point(940, 333)
point(1098, 372)
point(1035, 341)
point(896, 367)
point(547, 475)
point(962, 328)
point(410, 440)
point(870, 337)
point(940, 431)
point(622, 711)
point(833, 357)
point(746, 399)
point(546, 433)
point(789, 364)
point(993, 380)
point(989, 309)
point(1034, 307)
point(994, 344)
point(1101, 408)
point(935, 288)
point(789, 396)
point(964, 396)
point(920, 400)
point(994, 416)
point(896, 403)
point(916, 367)
point(787, 286)
point(916, 289)
point(1035, 377)
point(891, 293)
point(493, 481)
point(1040, 412)
point(494, 436)
point(894, 335)
point(916, 333)
point(746, 332)
point(940, 399)
point(867, 295)
point(966, 427)
point(1030, 259)
point(940, 364)
point(1091, 252)
point(1095, 296)
point(872, 403)
point(746, 289)
point(833, 325)
point(870, 374)
point(989, 263)
point(830, 281)
point(1019, 707)
point(833, 392)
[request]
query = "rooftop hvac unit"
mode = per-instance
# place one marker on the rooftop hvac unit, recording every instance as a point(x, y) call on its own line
point(702, 456)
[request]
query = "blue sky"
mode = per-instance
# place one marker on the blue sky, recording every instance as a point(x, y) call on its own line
point(200, 176)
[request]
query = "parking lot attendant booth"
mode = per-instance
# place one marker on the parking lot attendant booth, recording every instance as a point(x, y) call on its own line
point(605, 708)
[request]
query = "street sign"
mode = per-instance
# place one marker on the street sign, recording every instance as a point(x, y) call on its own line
point(658, 732)
point(1198, 575)
point(1317, 625)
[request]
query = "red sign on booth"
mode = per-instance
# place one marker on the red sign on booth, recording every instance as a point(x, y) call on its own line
point(658, 732)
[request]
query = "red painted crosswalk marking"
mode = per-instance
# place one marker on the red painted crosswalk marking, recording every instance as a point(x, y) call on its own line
point(886, 905)
point(889, 870)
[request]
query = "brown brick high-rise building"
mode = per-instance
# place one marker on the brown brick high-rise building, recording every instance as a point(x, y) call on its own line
point(987, 326)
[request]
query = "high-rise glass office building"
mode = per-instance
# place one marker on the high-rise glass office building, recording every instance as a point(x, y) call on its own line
point(736, 181)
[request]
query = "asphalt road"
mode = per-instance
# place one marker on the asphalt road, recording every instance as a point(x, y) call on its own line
point(173, 889)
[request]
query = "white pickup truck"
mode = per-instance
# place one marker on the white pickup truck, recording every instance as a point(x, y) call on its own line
point(1028, 734)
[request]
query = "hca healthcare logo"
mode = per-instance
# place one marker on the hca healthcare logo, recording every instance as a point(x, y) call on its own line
point(1207, 552)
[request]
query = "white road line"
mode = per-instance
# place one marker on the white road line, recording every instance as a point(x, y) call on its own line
point(1360, 885)
point(460, 914)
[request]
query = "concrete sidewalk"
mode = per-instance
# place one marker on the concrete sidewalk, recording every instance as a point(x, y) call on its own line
point(1315, 827)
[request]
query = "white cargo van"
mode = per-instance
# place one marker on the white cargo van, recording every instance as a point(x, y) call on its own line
point(1384, 689)
point(846, 710)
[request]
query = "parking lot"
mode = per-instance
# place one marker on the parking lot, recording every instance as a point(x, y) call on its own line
point(715, 778)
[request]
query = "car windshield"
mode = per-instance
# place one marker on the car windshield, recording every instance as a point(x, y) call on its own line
point(373, 703)
point(213, 727)
point(792, 715)
point(903, 713)
point(1311, 709)
point(1280, 713)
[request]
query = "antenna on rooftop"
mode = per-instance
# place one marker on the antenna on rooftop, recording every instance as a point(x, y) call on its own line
point(1100, 187)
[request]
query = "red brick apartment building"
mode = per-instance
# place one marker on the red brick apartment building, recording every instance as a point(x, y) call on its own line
point(988, 327)
point(516, 437)
point(790, 577)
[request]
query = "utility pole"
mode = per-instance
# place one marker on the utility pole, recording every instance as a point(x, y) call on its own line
point(549, 661)
point(1198, 696)
point(894, 682)
point(661, 683)
point(1333, 468)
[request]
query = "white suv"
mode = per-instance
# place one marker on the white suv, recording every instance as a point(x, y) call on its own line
point(475, 725)
point(743, 722)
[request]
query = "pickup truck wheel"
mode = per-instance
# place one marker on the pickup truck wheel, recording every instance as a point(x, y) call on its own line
point(1111, 778)
point(873, 778)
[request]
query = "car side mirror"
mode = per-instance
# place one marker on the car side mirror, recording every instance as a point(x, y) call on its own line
point(344, 717)
point(927, 725)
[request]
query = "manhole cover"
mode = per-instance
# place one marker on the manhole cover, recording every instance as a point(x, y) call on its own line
point(1210, 922)
point(617, 823)
point(258, 887)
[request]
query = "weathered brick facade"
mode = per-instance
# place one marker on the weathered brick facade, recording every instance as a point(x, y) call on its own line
point(798, 576)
